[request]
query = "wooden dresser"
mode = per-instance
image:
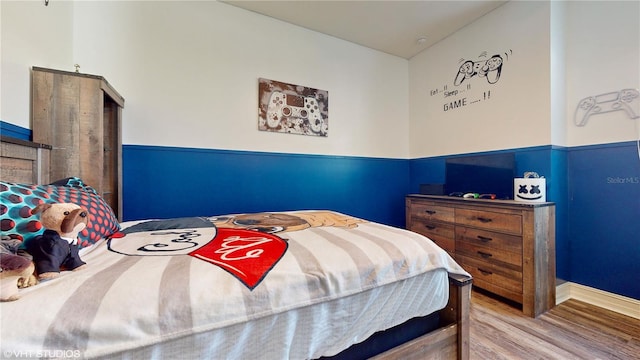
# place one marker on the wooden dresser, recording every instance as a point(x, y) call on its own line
point(24, 161)
point(80, 115)
point(507, 246)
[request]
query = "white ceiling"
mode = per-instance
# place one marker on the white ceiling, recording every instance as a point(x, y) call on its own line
point(391, 26)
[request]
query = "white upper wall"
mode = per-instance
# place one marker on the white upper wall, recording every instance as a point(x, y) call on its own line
point(602, 56)
point(189, 74)
point(31, 34)
point(483, 113)
point(558, 83)
point(558, 54)
point(189, 70)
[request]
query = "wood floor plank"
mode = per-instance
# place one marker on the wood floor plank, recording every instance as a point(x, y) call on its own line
point(626, 327)
point(571, 330)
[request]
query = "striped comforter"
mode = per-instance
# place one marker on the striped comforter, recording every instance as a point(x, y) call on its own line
point(182, 278)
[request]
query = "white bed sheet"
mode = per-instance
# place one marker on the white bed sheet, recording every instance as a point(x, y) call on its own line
point(322, 329)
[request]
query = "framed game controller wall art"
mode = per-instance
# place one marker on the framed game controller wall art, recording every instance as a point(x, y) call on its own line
point(293, 109)
point(469, 75)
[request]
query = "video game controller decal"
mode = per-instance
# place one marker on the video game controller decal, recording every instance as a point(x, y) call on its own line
point(292, 109)
point(484, 68)
point(489, 69)
point(626, 100)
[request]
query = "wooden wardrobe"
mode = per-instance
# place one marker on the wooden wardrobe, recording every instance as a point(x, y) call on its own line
point(80, 116)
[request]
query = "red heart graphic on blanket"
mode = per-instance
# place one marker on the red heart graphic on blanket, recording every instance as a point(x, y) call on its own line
point(248, 255)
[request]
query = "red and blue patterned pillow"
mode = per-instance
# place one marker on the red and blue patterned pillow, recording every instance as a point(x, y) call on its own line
point(17, 222)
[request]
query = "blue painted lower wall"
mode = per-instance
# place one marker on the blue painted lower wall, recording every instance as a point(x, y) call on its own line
point(604, 217)
point(168, 182)
point(18, 132)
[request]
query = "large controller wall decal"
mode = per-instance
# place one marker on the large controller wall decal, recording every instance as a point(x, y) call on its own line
point(626, 100)
point(483, 70)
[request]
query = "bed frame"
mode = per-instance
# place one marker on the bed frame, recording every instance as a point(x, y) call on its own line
point(28, 162)
point(451, 339)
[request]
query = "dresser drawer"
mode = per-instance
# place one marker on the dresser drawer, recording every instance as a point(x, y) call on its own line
point(511, 223)
point(492, 275)
point(489, 239)
point(442, 234)
point(490, 255)
point(429, 211)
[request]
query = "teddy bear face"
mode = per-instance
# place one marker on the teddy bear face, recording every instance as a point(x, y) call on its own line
point(65, 218)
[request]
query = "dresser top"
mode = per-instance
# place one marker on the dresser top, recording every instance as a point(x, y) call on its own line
point(462, 200)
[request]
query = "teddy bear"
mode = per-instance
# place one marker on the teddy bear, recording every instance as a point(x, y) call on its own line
point(16, 271)
point(57, 248)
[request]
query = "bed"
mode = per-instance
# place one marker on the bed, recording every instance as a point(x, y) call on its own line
point(282, 285)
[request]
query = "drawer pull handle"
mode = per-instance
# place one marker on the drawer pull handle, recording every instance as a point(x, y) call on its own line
point(484, 238)
point(430, 212)
point(485, 272)
point(430, 227)
point(484, 254)
point(484, 220)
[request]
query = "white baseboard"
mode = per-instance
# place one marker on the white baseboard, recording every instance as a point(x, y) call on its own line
point(614, 302)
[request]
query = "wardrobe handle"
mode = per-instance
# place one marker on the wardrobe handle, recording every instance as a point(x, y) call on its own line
point(430, 212)
point(484, 254)
point(484, 220)
point(484, 238)
point(430, 227)
point(485, 272)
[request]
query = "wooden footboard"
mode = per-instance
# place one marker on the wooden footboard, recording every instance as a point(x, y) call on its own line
point(451, 340)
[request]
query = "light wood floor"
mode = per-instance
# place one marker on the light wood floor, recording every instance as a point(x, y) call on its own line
point(571, 330)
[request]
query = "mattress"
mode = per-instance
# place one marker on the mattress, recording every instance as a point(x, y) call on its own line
point(241, 286)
